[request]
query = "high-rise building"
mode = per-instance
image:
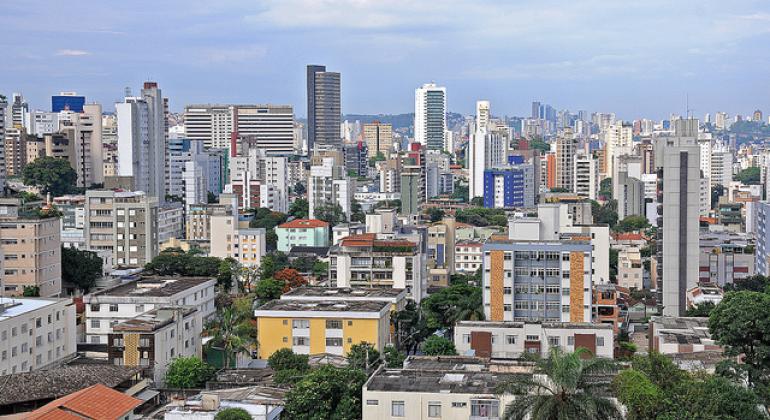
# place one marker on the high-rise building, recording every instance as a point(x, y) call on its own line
point(324, 110)
point(15, 145)
point(618, 140)
point(586, 179)
point(379, 138)
point(487, 148)
point(678, 161)
point(269, 127)
point(67, 101)
point(328, 185)
point(566, 147)
point(430, 116)
point(510, 186)
point(19, 109)
point(85, 131)
point(721, 122)
point(142, 141)
point(762, 254)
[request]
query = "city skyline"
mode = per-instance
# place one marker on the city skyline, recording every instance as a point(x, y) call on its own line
point(639, 61)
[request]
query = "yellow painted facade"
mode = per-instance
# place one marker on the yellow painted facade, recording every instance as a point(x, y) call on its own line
point(496, 285)
point(576, 292)
point(275, 333)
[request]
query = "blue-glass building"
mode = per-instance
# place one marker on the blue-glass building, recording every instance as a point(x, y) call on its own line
point(510, 186)
point(67, 103)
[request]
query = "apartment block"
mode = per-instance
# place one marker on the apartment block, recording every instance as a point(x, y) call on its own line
point(35, 333)
point(302, 232)
point(155, 338)
point(512, 340)
point(124, 223)
point(231, 238)
point(30, 239)
point(537, 280)
point(467, 256)
point(330, 326)
point(364, 260)
point(107, 308)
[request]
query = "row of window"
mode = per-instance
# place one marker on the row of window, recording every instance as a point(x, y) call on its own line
point(553, 340)
point(331, 324)
point(480, 409)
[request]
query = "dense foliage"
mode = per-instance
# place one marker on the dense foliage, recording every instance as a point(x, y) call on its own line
point(479, 216)
point(438, 346)
point(749, 176)
point(233, 414)
point(80, 267)
point(51, 175)
point(188, 372)
point(289, 367)
point(233, 329)
point(327, 393)
point(632, 224)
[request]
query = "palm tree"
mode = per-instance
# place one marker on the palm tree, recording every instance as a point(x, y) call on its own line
point(572, 389)
point(232, 333)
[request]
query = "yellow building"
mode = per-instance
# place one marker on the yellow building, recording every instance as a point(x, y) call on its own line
point(321, 327)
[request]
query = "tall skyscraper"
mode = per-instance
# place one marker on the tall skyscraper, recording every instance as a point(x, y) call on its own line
point(566, 147)
point(378, 137)
point(430, 116)
point(324, 111)
point(142, 140)
point(678, 162)
point(85, 129)
point(19, 108)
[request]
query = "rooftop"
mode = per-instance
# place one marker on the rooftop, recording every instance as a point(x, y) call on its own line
point(95, 402)
point(60, 381)
point(515, 324)
point(370, 240)
point(324, 306)
point(154, 319)
point(304, 224)
point(345, 293)
point(155, 286)
point(12, 307)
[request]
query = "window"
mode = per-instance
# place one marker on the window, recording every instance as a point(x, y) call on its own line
point(571, 340)
point(350, 323)
point(139, 308)
point(533, 338)
point(510, 339)
point(372, 402)
point(554, 341)
point(397, 409)
point(434, 409)
point(333, 324)
point(333, 342)
point(94, 339)
point(94, 323)
point(301, 341)
point(300, 324)
point(466, 338)
point(485, 408)
point(459, 404)
point(113, 307)
point(507, 290)
point(599, 341)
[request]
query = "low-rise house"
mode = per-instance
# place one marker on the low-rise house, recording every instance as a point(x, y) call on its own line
point(262, 403)
point(677, 335)
point(35, 333)
point(703, 293)
point(302, 232)
point(630, 270)
point(511, 340)
point(154, 338)
point(109, 307)
point(96, 402)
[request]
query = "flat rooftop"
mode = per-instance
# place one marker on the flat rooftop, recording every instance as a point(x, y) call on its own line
point(347, 293)
point(154, 319)
point(12, 307)
point(156, 286)
point(323, 306)
point(515, 324)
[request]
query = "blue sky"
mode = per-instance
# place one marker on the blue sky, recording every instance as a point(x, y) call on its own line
point(635, 58)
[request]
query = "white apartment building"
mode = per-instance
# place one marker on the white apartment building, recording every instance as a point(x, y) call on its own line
point(586, 179)
point(109, 307)
point(618, 140)
point(35, 333)
point(170, 222)
point(430, 115)
point(630, 270)
point(155, 338)
point(271, 125)
point(511, 340)
point(329, 185)
point(467, 257)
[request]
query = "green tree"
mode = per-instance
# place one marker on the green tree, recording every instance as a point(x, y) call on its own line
point(702, 310)
point(272, 263)
point(605, 214)
point(327, 393)
point(233, 414)
point(614, 254)
point(749, 176)
point(31, 291)
point(331, 214)
point(356, 214)
point(268, 289)
point(460, 192)
point(299, 208)
point(211, 198)
point(233, 330)
point(435, 214)
point(572, 391)
point(740, 323)
point(299, 189)
point(634, 389)
point(188, 372)
point(320, 268)
point(410, 327)
point(605, 188)
point(537, 143)
point(458, 302)
point(394, 359)
point(756, 283)
point(363, 356)
point(716, 191)
point(225, 273)
point(51, 175)
point(632, 224)
point(81, 268)
point(660, 370)
point(438, 346)
point(288, 366)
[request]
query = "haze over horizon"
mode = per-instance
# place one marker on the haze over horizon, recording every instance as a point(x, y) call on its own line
point(638, 60)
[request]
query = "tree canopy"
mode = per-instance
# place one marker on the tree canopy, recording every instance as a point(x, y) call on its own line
point(327, 393)
point(80, 267)
point(750, 176)
point(51, 175)
point(438, 346)
point(299, 208)
point(188, 372)
point(632, 224)
point(233, 413)
point(479, 216)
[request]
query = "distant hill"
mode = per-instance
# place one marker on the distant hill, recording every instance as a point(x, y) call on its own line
point(396, 120)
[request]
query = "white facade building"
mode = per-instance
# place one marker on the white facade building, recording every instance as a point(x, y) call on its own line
point(430, 116)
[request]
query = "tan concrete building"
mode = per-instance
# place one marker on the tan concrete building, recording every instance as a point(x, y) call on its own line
point(15, 144)
point(630, 271)
point(125, 223)
point(378, 137)
point(85, 131)
point(31, 248)
point(231, 238)
point(441, 252)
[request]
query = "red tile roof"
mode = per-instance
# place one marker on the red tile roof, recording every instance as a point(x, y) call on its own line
point(629, 237)
point(304, 223)
point(96, 402)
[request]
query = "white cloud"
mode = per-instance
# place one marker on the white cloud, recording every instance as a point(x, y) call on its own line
point(71, 53)
point(234, 55)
